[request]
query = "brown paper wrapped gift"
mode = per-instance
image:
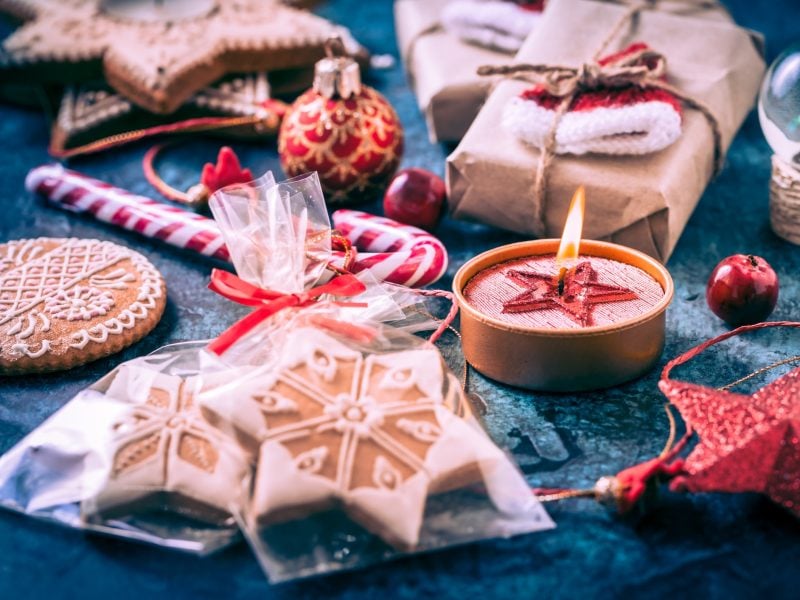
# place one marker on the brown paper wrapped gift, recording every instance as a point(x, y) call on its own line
point(640, 201)
point(442, 68)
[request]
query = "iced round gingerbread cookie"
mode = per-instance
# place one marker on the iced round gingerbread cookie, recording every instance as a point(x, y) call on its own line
point(65, 302)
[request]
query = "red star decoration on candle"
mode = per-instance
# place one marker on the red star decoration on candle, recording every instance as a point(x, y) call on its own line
point(576, 297)
point(748, 443)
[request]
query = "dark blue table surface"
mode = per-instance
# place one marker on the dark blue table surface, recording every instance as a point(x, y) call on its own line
point(705, 545)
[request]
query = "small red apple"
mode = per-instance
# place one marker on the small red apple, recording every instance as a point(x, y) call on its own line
point(742, 289)
point(415, 197)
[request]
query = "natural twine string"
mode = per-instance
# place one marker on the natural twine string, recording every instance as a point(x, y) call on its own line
point(644, 69)
point(784, 200)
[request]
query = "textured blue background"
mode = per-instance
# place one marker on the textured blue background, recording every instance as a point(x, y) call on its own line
point(710, 546)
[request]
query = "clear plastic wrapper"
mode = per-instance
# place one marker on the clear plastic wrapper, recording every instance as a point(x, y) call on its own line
point(121, 458)
point(318, 425)
point(366, 450)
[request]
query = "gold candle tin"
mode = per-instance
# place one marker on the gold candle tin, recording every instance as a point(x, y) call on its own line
point(563, 360)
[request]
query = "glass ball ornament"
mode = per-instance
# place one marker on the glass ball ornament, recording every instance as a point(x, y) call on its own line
point(779, 105)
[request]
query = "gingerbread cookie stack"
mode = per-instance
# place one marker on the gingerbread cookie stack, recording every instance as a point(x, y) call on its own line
point(65, 302)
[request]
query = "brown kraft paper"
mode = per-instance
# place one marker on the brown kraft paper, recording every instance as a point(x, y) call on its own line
point(442, 69)
point(639, 201)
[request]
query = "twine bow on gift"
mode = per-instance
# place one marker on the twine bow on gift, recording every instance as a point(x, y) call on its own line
point(642, 68)
point(635, 68)
point(269, 302)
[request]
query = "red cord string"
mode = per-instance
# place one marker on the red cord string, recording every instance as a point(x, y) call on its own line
point(690, 354)
point(186, 126)
point(449, 318)
point(152, 177)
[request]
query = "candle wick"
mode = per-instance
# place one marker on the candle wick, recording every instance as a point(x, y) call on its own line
point(561, 275)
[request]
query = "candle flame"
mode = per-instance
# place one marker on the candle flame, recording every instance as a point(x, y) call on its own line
point(571, 238)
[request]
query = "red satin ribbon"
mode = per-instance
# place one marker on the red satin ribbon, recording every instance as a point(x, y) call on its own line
point(270, 302)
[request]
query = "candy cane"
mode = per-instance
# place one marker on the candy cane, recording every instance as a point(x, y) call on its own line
point(392, 251)
point(176, 226)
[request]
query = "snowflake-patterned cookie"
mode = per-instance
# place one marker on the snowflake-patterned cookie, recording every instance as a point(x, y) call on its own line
point(163, 452)
point(372, 433)
point(64, 302)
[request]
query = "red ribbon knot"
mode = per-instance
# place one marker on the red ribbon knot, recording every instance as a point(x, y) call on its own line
point(269, 302)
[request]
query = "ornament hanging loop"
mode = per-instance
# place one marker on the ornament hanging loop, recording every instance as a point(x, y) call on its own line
point(335, 48)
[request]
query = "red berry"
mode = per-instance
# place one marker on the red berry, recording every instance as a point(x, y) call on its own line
point(415, 197)
point(742, 289)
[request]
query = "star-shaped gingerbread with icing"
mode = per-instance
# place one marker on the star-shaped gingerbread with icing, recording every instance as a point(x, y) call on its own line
point(163, 450)
point(160, 53)
point(373, 434)
point(576, 294)
point(748, 443)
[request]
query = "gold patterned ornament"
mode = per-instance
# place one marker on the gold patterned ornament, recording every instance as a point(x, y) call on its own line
point(158, 54)
point(346, 131)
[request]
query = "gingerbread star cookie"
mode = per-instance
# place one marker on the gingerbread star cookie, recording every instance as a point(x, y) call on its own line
point(374, 434)
point(165, 455)
point(93, 111)
point(159, 53)
point(65, 302)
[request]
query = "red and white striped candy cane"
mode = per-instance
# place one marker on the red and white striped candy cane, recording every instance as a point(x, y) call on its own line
point(393, 251)
point(174, 225)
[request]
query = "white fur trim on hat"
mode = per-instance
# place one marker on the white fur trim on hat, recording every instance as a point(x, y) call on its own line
point(638, 128)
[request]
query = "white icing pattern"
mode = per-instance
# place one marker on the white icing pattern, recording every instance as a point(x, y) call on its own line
point(79, 303)
point(70, 282)
point(424, 431)
point(355, 415)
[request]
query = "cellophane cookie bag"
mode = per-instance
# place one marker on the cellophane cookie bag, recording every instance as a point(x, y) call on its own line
point(318, 424)
point(131, 456)
point(364, 445)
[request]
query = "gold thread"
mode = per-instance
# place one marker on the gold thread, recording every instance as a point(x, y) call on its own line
point(760, 371)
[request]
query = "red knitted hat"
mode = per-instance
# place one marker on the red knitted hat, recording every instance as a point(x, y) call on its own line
point(630, 120)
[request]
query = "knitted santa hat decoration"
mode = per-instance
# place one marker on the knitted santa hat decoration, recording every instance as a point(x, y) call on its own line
point(629, 120)
point(498, 24)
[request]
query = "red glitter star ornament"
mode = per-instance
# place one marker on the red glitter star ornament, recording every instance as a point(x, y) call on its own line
point(748, 443)
point(575, 295)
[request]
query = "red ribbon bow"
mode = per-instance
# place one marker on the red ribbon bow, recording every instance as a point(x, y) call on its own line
point(270, 302)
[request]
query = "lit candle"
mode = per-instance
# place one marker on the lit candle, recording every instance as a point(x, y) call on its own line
point(563, 314)
point(571, 236)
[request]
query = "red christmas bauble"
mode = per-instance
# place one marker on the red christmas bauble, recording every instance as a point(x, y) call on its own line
point(346, 131)
point(415, 197)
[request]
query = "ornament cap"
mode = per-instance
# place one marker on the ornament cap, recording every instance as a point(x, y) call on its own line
point(337, 74)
